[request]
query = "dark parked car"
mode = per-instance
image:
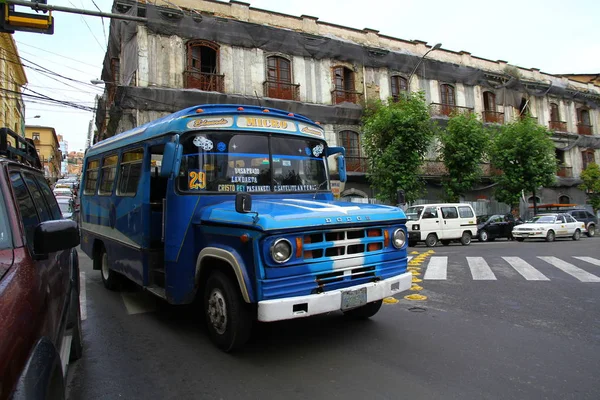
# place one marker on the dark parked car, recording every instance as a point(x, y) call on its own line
point(40, 321)
point(591, 221)
point(496, 226)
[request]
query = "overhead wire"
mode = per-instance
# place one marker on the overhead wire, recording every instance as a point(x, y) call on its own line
point(56, 54)
point(90, 29)
point(101, 19)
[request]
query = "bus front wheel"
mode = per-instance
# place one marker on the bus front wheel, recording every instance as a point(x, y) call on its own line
point(228, 318)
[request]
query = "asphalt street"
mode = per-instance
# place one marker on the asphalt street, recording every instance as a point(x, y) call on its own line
point(502, 320)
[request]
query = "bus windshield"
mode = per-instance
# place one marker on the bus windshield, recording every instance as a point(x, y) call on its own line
point(242, 162)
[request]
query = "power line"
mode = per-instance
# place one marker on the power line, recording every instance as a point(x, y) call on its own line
point(90, 29)
point(101, 19)
point(56, 54)
point(55, 62)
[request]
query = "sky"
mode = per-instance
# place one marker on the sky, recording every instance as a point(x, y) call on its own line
point(554, 36)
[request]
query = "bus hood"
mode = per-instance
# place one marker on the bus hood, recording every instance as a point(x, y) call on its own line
point(275, 214)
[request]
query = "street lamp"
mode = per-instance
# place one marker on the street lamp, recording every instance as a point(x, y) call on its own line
point(97, 82)
point(37, 116)
point(435, 47)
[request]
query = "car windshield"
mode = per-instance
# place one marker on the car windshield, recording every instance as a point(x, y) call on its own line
point(241, 162)
point(414, 213)
point(543, 219)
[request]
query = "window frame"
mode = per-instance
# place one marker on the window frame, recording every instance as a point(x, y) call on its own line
point(342, 142)
point(85, 190)
point(445, 90)
point(554, 112)
point(469, 209)
point(102, 172)
point(487, 97)
point(396, 82)
point(202, 43)
point(27, 233)
point(442, 208)
point(120, 175)
point(586, 155)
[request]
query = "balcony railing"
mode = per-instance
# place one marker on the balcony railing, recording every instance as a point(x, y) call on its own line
point(438, 109)
point(282, 90)
point(560, 126)
point(204, 81)
point(564, 172)
point(356, 164)
point(493, 117)
point(340, 96)
point(583, 129)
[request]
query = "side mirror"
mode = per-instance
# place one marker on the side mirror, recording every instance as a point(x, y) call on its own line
point(171, 157)
point(400, 197)
point(342, 168)
point(243, 203)
point(53, 236)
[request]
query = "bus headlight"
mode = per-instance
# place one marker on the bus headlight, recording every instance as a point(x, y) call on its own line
point(281, 250)
point(399, 238)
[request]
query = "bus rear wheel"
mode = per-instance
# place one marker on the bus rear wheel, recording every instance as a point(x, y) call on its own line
point(111, 279)
point(228, 318)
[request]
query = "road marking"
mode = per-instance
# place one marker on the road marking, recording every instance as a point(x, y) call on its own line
point(480, 269)
point(139, 302)
point(525, 269)
point(570, 269)
point(409, 258)
point(589, 259)
point(82, 296)
point(437, 268)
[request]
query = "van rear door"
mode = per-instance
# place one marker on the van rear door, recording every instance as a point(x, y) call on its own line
point(451, 223)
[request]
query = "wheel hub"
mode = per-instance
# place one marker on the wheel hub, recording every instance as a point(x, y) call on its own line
point(105, 269)
point(217, 311)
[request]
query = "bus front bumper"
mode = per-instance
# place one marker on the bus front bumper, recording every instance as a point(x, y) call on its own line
point(314, 304)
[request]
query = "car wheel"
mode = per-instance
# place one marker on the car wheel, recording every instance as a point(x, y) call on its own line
point(550, 236)
point(465, 240)
point(591, 231)
point(483, 236)
point(110, 278)
point(445, 242)
point(520, 239)
point(228, 317)
point(431, 240)
point(577, 234)
point(366, 311)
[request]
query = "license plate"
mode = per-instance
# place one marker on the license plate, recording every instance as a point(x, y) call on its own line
point(354, 298)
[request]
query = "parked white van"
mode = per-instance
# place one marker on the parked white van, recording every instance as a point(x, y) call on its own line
point(446, 222)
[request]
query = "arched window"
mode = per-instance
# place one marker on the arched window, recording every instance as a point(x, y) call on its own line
point(399, 85)
point(537, 200)
point(564, 199)
point(447, 95)
point(584, 126)
point(343, 79)
point(279, 78)
point(350, 140)
point(587, 157)
point(202, 69)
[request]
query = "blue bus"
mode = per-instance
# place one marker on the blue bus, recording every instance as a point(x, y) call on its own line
point(232, 205)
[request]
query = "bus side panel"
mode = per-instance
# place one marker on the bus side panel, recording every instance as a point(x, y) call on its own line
point(129, 261)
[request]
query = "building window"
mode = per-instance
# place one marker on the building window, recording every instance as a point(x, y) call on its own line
point(584, 126)
point(524, 108)
point(279, 79)
point(564, 199)
point(447, 95)
point(343, 79)
point(114, 79)
point(554, 113)
point(537, 200)
point(587, 157)
point(399, 85)
point(489, 109)
point(202, 69)
point(350, 140)
point(36, 136)
point(489, 101)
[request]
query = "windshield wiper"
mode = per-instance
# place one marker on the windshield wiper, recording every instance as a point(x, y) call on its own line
point(319, 187)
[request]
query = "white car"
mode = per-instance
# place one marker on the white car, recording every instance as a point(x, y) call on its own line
point(549, 227)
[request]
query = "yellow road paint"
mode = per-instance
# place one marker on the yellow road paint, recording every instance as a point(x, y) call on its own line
point(414, 252)
point(390, 300)
point(418, 297)
point(416, 287)
point(416, 280)
point(415, 272)
point(413, 268)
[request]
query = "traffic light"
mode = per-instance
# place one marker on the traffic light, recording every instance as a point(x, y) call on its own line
point(11, 20)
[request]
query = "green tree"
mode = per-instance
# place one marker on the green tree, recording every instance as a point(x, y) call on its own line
point(524, 152)
point(396, 138)
point(463, 146)
point(591, 185)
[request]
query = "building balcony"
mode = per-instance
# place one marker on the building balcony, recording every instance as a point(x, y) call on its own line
point(341, 96)
point(584, 129)
point(447, 110)
point(204, 81)
point(559, 126)
point(493, 117)
point(564, 172)
point(356, 164)
point(282, 90)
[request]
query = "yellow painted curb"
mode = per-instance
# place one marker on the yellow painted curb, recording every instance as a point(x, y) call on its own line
point(416, 280)
point(413, 268)
point(414, 252)
point(416, 287)
point(418, 297)
point(390, 300)
point(415, 272)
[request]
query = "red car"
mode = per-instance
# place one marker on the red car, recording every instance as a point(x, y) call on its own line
point(40, 321)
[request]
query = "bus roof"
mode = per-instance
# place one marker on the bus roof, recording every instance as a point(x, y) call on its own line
point(214, 116)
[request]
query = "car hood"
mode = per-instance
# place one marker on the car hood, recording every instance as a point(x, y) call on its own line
point(532, 226)
point(276, 214)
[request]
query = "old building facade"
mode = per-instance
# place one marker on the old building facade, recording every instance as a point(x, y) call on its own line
point(48, 148)
point(12, 79)
point(192, 52)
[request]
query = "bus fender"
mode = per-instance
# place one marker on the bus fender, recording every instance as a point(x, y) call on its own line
point(235, 262)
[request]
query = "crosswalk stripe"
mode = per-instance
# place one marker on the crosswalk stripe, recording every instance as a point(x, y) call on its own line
point(589, 259)
point(480, 269)
point(525, 269)
point(570, 269)
point(437, 268)
point(409, 258)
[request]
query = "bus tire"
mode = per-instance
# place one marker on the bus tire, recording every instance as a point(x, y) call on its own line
point(366, 311)
point(110, 278)
point(228, 318)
